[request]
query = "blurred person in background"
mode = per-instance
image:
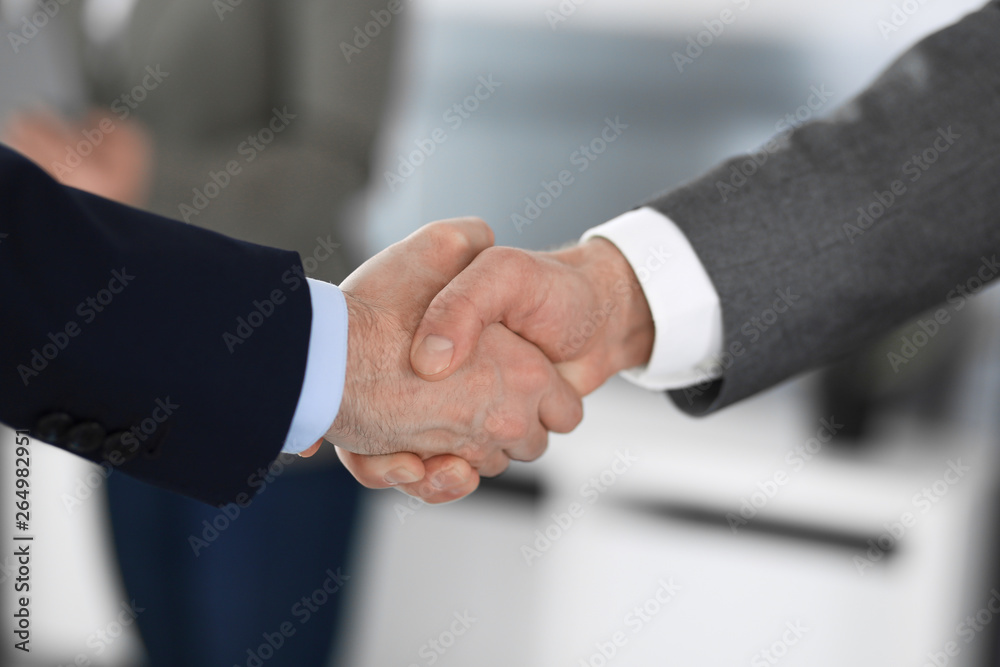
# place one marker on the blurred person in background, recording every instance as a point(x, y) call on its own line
point(250, 120)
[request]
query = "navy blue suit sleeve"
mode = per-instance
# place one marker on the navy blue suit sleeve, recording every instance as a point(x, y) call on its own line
point(171, 352)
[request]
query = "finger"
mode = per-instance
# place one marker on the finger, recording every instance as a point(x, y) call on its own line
point(560, 408)
point(498, 282)
point(495, 464)
point(312, 450)
point(448, 478)
point(528, 448)
point(382, 472)
point(451, 245)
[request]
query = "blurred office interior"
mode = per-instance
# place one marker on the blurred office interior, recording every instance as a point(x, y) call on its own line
point(664, 562)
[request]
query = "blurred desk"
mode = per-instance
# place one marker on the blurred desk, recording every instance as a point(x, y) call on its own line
point(663, 517)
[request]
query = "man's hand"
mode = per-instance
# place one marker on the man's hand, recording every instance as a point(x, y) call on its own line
point(498, 406)
point(582, 306)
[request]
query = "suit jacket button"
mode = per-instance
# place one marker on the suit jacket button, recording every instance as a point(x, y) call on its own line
point(116, 451)
point(85, 438)
point(52, 428)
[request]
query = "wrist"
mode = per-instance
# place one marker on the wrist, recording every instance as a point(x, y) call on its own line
point(630, 332)
point(359, 376)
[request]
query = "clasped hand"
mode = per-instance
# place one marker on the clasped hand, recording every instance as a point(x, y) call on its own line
point(463, 356)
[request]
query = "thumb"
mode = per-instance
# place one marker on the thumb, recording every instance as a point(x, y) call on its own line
point(312, 449)
point(488, 291)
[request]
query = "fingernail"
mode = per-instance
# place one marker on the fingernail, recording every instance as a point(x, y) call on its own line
point(434, 355)
point(446, 480)
point(400, 476)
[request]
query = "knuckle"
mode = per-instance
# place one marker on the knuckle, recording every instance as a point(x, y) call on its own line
point(504, 258)
point(535, 378)
point(450, 239)
point(476, 221)
point(507, 427)
point(516, 429)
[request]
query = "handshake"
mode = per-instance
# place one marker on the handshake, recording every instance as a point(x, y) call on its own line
point(463, 356)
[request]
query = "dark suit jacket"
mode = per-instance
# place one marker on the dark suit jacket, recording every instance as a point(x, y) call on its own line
point(861, 221)
point(170, 351)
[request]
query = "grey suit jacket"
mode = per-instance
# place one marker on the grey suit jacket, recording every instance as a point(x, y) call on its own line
point(847, 227)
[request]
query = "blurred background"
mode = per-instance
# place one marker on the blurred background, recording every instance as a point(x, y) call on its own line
point(847, 517)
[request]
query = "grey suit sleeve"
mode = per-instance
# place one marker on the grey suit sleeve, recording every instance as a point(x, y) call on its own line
point(857, 223)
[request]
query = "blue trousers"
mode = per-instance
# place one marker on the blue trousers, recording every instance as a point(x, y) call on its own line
point(263, 588)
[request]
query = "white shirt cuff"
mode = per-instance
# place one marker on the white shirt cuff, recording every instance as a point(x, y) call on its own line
point(683, 301)
point(326, 366)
